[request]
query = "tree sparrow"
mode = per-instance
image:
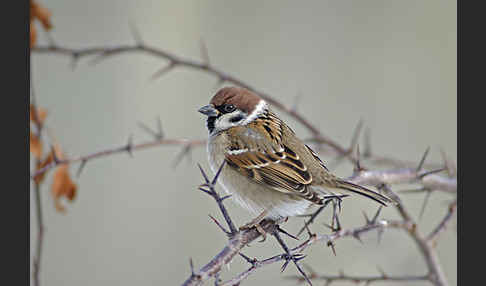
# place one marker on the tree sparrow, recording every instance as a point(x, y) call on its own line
point(268, 170)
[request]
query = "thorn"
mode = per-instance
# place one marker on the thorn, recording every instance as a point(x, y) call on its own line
point(130, 145)
point(135, 33)
point(367, 149)
point(203, 173)
point(54, 156)
point(426, 199)
point(357, 168)
point(375, 218)
point(330, 227)
point(383, 274)
point(184, 151)
point(355, 137)
point(357, 237)
point(380, 234)
point(296, 102)
point(100, 57)
point(366, 218)
point(421, 176)
point(285, 232)
point(422, 161)
point(74, 61)
point(81, 167)
point(206, 191)
point(252, 261)
point(313, 216)
point(204, 53)
point(218, 173)
point(334, 215)
point(451, 170)
point(331, 244)
point(159, 128)
point(309, 232)
point(219, 225)
point(225, 197)
point(192, 266)
point(163, 70)
point(157, 135)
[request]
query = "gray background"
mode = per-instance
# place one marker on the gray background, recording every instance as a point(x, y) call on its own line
point(136, 221)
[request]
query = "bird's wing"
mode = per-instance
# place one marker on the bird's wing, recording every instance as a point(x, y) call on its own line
point(259, 153)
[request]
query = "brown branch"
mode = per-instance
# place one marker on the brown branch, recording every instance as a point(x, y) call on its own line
point(431, 182)
point(433, 236)
point(366, 279)
point(102, 52)
point(38, 202)
point(129, 147)
point(40, 235)
point(354, 233)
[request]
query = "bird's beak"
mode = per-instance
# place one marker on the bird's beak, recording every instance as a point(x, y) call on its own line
point(209, 110)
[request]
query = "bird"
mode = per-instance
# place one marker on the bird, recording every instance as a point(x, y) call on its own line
point(268, 169)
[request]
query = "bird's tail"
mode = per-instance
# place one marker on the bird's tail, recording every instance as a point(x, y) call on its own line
point(353, 188)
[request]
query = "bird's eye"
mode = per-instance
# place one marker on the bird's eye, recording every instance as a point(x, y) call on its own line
point(229, 108)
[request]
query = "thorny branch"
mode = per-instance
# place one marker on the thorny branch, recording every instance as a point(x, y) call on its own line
point(239, 240)
point(429, 181)
point(102, 52)
point(38, 202)
point(129, 147)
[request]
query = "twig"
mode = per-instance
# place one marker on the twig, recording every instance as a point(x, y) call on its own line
point(212, 192)
point(40, 235)
point(432, 237)
point(38, 202)
point(366, 279)
point(121, 149)
point(100, 53)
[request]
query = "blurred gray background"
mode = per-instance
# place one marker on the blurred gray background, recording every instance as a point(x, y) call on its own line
point(137, 221)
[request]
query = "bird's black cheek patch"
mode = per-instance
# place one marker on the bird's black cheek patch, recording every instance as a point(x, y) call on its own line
point(210, 123)
point(236, 118)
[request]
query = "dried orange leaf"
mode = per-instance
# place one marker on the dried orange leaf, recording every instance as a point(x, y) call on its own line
point(41, 13)
point(33, 34)
point(41, 164)
point(62, 186)
point(35, 146)
point(41, 114)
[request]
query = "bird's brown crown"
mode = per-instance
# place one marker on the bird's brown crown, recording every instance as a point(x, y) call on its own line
point(241, 98)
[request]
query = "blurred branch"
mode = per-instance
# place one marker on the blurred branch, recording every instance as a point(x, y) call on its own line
point(129, 148)
point(433, 236)
point(238, 240)
point(367, 280)
point(430, 182)
point(102, 52)
point(37, 197)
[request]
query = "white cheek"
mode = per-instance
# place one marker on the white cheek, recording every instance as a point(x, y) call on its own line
point(224, 122)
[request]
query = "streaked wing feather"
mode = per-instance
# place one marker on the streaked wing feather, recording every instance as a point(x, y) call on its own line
point(266, 160)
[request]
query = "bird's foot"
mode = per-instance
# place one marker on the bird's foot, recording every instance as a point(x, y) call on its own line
point(255, 223)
